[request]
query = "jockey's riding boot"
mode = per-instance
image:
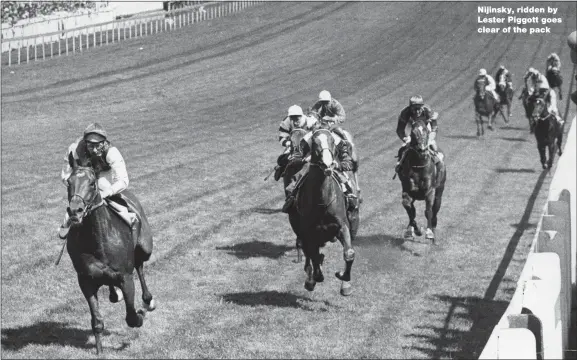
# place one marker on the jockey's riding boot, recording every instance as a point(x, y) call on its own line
point(398, 167)
point(414, 186)
point(352, 199)
point(289, 202)
point(64, 229)
point(278, 170)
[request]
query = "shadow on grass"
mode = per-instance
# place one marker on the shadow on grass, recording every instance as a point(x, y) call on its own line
point(514, 139)
point(278, 299)
point(46, 333)
point(515, 128)
point(256, 249)
point(449, 342)
point(266, 211)
point(505, 171)
point(385, 240)
point(464, 137)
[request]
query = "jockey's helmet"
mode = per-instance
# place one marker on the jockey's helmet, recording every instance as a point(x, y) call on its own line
point(324, 96)
point(416, 100)
point(94, 133)
point(482, 72)
point(295, 110)
point(502, 67)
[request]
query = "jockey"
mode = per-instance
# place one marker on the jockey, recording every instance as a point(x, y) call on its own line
point(536, 84)
point(108, 164)
point(508, 78)
point(490, 84)
point(330, 111)
point(294, 120)
point(417, 110)
point(553, 62)
point(343, 163)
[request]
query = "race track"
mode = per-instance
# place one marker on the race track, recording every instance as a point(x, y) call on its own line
point(195, 114)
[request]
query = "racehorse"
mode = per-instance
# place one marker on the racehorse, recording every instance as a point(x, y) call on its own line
point(485, 106)
point(555, 80)
point(505, 92)
point(548, 132)
point(104, 250)
point(321, 213)
point(419, 168)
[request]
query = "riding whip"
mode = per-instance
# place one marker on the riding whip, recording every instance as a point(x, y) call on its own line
point(61, 252)
point(272, 172)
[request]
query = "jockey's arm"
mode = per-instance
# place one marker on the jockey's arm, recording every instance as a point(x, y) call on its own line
point(119, 173)
point(66, 168)
point(339, 112)
point(345, 162)
point(284, 132)
point(401, 127)
point(491, 82)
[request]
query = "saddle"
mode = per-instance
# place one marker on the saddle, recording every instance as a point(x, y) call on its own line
point(117, 203)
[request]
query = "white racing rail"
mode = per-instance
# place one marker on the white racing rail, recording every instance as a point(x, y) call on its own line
point(65, 41)
point(537, 322)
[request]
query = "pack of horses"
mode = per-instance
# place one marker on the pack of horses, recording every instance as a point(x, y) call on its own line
point(105, 251)
point(548, 132)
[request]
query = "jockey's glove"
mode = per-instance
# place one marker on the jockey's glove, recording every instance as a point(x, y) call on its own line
point(286, 143)
point(407, 140)
point(105, 193)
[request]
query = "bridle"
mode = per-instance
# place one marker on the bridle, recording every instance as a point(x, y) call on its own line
point(88, 205)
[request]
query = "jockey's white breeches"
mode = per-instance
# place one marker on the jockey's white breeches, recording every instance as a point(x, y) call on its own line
point(552, 106)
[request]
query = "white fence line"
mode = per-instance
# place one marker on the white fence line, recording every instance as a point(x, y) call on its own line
point(536, 323)
point(63, 41)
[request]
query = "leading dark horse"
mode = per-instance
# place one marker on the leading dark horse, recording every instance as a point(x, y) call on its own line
point(320, 213)
point(555, 81)
point(485, 106)
point(103, 249)
point(548, 132)
point(418, 166)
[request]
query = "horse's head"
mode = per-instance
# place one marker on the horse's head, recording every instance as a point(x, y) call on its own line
point(539, 109)
point(82, 193)
point(420, 136)
point(323, 149)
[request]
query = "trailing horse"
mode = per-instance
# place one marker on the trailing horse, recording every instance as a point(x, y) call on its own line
point(104, 250)
point(548, 132)
point(321, 213)
point(485, 106)
point(421, 179)
point(505, 93)
point(555, 80)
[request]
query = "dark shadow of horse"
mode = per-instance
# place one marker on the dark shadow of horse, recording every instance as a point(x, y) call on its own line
point(256, 249)
point(506, 94)
point(421, 179)
point(104, 250)
point(321, 213)
point(277, 299)
point(555, 80)
point(485, 106)
point(548, 132)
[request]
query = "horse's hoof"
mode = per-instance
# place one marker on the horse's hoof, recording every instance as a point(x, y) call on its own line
point(116, 296)
point(310, 285)
point(342, 276)
point(150, 306)
point(544, 166)
point(346, 288)
point(409, 234)
point(319, 277)
point(418, 231)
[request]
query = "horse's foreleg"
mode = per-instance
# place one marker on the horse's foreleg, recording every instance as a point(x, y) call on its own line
point(542, 155)
point(560, 141)
point(149, 303)
point(429, 211)
point(349, 257)
point(90, 292)
point(479, 122)
point(133, 318)
point(552, 151)
point(412, 228)
point(308, 250)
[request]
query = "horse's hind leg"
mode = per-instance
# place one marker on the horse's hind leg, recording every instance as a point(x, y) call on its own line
point(552, 152)
point(90, 290)
point(543, 155)
point(133, 318)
